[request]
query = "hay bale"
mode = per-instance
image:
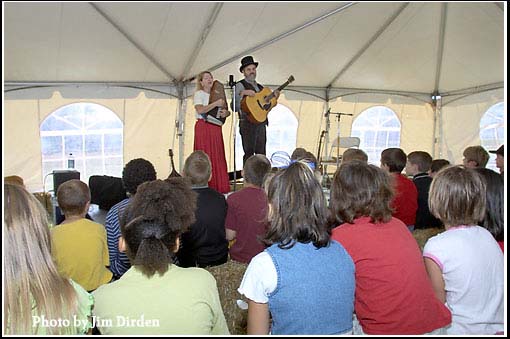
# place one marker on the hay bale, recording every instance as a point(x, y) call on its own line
point(422, 235)
point(228, 278)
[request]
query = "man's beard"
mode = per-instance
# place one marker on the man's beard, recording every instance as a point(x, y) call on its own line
point(251, 77)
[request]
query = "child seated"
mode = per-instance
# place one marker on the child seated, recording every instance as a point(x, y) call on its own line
point(303, 280)
point(393, 292)
point(465, 263)
point(36, 296)
point(166, 298)
point(204, 244)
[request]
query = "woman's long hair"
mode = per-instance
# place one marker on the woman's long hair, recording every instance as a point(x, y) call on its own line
point(32, 283)
point(298, 211)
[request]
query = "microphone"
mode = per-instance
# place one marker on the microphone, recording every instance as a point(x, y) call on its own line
point(231, 81)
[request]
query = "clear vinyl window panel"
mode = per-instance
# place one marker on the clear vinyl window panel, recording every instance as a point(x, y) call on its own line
point(91, 132)
point(378, 128)
point(492, 131)
point(281, 134)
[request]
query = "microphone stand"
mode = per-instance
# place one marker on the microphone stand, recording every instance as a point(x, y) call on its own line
point(232, 85)
point(338, 116)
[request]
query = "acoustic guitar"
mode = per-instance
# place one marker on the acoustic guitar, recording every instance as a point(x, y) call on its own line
point(258, 106)
point(217, 92)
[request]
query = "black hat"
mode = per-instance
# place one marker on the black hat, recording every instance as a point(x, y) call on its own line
point(500, 150)
point(247, 60)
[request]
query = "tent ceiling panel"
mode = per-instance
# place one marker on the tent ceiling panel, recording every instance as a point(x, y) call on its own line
point(139, 43)
point(315, 54)
point(241, 26)
point(386, 64)
point(87, 47)
point(474, 46)
point(168, 31)
point(31, 46)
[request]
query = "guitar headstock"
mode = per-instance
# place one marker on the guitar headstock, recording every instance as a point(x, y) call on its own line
point(291, 79)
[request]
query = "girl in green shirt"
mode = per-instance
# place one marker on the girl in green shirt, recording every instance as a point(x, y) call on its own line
point(155, 296)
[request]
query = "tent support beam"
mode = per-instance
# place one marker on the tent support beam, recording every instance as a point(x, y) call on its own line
point(500, 6)
point(146, 86)
point(440, 47)
point(368, 44)
point(133, 42)
point(474, 90)
point(181, 120)
point(279, 37)
point(141, 86)
point(196, 51)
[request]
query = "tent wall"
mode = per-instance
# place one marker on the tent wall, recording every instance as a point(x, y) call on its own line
point(416, 118)
point(149, 126)
point(461, 123)
point(148, 132)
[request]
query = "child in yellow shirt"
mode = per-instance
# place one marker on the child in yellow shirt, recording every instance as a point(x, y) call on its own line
point(79, 245)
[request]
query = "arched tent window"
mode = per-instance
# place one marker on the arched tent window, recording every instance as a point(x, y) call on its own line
point(492, 131)
point(91, 132)
point(281, 134)
point(378, 128)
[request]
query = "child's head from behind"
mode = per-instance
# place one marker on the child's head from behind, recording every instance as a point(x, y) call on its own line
point(437, 165)
point(418, 162)
point(494, 220)
point(361, 190)
point(297, 210)
point(475, 156)
point(255, 169)
point(160, 211)
point(197, 168)
point(393, 159)
point(351, 154)
point(457, 196)
point(136, 172)
point(73, 197)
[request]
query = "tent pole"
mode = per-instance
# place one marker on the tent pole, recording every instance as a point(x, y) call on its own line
point(437, 144)
point(181, 121)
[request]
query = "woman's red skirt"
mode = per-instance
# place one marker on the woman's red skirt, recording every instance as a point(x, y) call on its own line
point(208, 138)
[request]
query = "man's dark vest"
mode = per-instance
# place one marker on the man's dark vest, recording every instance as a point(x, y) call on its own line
point(249, 86)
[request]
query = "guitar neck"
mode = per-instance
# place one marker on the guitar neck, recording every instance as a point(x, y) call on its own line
point(271, 96)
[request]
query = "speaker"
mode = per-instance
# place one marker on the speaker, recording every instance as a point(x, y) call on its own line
point(61, 176)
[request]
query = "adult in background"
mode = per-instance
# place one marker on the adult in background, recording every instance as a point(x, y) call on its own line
point(500, 159)
point(253, 135)
point(209, 137)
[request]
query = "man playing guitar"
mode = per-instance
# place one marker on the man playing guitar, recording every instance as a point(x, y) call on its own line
point(252, 135)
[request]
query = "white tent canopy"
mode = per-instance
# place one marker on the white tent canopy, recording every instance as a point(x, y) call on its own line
point(347, 56)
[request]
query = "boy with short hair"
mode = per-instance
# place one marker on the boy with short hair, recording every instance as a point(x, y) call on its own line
point(79, 245)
